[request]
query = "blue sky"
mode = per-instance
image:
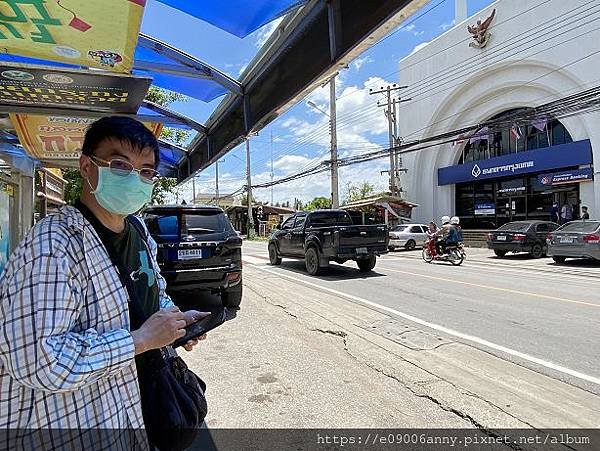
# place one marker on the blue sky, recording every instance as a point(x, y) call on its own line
point(301, 135)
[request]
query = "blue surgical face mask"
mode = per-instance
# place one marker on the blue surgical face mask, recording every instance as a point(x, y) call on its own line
point(121, 194)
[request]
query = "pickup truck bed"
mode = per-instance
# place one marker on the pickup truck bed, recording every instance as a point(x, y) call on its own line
point(324, 236)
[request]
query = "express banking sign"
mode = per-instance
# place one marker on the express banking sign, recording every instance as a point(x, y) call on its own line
point(554, 157)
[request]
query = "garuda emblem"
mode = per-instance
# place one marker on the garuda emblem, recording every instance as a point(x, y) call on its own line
point(480, 33)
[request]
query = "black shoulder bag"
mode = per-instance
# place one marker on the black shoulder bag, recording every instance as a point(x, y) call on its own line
point(173, 402)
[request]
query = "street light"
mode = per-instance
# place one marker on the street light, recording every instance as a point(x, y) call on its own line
point(335, 198)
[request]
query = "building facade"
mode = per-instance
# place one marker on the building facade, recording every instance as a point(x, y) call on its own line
point(532, 53)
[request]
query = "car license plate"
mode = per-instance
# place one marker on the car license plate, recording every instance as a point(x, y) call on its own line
point(566, 240)
point(189, 254)
point(501, 237)
point(361, 250)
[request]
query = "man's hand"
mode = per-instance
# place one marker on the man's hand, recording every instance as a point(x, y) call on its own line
point(191, 316)
point(161, 329)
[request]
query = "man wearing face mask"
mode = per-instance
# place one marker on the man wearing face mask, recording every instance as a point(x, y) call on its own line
point(70, 348)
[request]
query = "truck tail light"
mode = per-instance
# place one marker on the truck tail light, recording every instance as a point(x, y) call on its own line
point(593, 238)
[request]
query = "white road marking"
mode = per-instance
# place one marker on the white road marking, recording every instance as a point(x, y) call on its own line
point(446, 330)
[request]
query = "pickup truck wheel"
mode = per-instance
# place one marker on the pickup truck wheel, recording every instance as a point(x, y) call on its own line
point(311, 260)
point(274, 257)
point(366, 264)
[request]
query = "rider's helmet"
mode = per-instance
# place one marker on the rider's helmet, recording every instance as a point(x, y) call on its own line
point(455, 220)
point(445, 219)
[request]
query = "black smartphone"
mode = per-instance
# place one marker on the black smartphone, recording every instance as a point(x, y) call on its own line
point(200, 327)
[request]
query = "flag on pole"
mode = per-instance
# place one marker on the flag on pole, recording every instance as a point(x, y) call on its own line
point(540, 123)
point(480, 135)
point(515, 131)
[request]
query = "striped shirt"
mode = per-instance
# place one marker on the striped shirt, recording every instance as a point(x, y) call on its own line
point(66, 351)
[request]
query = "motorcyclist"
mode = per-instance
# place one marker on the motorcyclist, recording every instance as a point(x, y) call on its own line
point(455, 221)
point(442, 235)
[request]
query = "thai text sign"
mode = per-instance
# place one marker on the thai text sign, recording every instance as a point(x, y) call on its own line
point(56, 137)
point(39, 87)
point(100, 34)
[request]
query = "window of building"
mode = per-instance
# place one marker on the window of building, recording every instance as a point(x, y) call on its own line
point(503, 142)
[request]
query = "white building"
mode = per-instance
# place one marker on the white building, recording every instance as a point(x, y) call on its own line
point(538, 51)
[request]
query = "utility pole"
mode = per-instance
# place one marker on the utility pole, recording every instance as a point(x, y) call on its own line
point(391, 115)
point(217, 183)
point(272, 172)
point(194, 189)
point(250, 222)
point(335, 196)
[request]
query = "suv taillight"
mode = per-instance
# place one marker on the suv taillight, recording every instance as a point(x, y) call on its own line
point(549, 238)
point(519, 237)
point(591, 238)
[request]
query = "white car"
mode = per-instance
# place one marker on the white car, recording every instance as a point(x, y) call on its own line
point(408, 236)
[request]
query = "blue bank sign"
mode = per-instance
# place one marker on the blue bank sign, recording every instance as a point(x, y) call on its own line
point(554, 157)
point(567, 177)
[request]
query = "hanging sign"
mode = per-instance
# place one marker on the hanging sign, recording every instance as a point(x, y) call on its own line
point(50, 138)
point(567, 177)
point(101, 34)
point(39, 87)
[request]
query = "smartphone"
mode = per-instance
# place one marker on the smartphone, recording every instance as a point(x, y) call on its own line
point(200, 327)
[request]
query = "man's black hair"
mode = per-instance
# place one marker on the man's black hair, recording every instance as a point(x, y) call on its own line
point(124, 129)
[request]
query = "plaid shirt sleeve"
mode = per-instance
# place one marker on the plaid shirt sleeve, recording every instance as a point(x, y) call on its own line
point(40, 344)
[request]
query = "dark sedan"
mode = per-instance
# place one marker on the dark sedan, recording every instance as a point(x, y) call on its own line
point(521, 236)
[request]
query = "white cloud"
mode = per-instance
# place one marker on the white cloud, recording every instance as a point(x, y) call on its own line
point(263, 34)
point(419, 47)
point(358, 63)
point(447, 25)
point(412, 28)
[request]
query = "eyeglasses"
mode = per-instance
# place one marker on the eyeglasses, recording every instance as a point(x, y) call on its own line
point(123, 168)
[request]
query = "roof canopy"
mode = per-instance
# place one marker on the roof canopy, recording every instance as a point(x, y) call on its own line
point(315, 39)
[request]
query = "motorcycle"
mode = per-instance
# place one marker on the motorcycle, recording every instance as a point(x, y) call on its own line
point(454, 254)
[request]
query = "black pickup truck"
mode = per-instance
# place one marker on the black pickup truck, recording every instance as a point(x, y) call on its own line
point(323, 236)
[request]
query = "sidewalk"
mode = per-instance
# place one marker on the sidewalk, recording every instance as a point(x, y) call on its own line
point(298, 357)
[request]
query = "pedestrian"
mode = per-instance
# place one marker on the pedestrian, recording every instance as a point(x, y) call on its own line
point(566, 213)
point(70, 353)
point(584, 213)
point(554, 216)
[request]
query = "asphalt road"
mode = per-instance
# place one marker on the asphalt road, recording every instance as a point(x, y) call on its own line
point(532, 312)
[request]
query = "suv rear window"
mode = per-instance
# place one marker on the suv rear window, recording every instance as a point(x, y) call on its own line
point(516, 226)
point(330, 218)
point(196, 223)
point(581, 226)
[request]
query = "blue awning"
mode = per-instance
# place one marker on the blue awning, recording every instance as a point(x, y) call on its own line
point(238, 17)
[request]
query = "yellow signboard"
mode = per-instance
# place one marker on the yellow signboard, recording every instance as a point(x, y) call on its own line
point(92, 33)
point(51, 138)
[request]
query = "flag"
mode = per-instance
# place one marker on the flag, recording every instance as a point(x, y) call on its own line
point(480, 135)
point(515, 131)
point(540, 123)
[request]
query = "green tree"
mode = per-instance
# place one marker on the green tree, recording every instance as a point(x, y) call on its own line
point(318, 203)
point(358, 191)
point(165, 186)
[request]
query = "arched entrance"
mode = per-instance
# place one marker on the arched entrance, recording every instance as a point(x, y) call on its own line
point(492, 202)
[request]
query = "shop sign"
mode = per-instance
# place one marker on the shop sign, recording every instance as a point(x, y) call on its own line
point(518, 189)
point(485, 209)
point(554, 157)
point(567, 177)
point(50, 138)
point(41, 87)
point(100, 34)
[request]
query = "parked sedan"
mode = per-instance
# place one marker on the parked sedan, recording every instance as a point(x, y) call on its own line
point(521, 236)
point(577, 239)
point(408, 236)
